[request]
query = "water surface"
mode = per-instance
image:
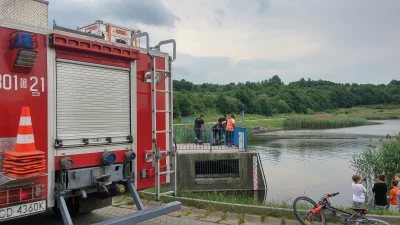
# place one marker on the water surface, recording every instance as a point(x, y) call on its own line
point(315, 167)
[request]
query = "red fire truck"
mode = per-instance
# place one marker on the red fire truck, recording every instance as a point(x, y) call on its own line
point(82, 118)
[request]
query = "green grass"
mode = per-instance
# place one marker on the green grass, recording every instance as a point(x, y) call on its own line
point(373, 112)
point(271, 122)
point(337, 118)
point(213, 117)
point(186, 134)
point(322, 122)
point(381, 117)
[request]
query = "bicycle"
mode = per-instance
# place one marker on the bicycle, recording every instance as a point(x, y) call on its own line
point(348, 218)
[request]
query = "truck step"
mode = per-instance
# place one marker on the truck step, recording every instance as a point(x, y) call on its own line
point(164, 71)
point(163, 131)
point(167, 193)
point(164, 91)
point(166, 172)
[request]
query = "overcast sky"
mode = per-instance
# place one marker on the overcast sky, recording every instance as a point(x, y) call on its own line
point(223, 41)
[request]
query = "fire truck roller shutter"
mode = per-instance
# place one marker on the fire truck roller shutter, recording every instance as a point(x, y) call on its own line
point(93, 104)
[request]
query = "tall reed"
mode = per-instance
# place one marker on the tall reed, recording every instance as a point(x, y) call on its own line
point(381, 117)
point(311, 122)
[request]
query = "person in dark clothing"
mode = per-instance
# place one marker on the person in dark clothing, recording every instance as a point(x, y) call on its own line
point(216, 129)
point(222, 122)
point(380, 190)
point(198, 129)
point(217, 132)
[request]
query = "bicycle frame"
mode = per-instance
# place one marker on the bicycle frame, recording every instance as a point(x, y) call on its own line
point(324, 203)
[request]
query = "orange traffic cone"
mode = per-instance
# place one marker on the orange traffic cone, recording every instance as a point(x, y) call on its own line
point(25, 145)
point(25, 161)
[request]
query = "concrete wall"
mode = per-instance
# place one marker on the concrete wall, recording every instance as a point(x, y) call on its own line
point(186, 177)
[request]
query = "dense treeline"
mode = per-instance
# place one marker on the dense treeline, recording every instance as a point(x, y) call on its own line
point(272, 96)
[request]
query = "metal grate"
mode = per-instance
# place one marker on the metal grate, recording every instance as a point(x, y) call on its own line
point(29, 12)
point(216, 168)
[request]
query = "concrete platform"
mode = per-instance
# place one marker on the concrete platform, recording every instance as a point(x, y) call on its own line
point(223, 169)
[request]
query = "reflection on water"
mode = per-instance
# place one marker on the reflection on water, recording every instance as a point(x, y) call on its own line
point(315, 167)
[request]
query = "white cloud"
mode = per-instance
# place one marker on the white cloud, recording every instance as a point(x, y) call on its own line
point(346, 41)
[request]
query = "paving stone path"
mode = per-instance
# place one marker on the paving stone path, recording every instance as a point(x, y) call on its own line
point(122, 206)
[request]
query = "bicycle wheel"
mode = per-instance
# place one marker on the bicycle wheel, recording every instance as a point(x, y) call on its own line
point(371, 221)
point(303, 205)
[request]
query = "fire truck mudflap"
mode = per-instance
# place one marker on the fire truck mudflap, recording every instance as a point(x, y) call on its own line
point(84, 118)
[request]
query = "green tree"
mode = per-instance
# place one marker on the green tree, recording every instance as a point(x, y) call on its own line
point(185, 106)
point(264, 107)
point(283, 107)
point(222, 104)
point(273, 96)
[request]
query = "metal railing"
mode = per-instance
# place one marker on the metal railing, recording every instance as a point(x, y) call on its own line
point(263, 176)
point(211, 138)
point(187, 119)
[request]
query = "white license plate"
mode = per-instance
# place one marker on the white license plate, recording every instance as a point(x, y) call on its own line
point(22, 210)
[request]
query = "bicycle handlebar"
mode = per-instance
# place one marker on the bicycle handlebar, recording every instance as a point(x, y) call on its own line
point(332, 195)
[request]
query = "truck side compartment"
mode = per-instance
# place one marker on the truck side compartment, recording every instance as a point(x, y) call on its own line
point(90, 104)
point(22, 86)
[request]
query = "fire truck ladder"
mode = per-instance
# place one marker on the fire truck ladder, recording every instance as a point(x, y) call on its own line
point(157, 153)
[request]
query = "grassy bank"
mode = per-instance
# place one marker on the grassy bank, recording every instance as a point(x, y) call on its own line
point(322, 122)
point(339, 118)
point(245, 199)
point(372, 112)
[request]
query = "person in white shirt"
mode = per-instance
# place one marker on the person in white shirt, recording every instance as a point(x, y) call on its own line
point(359, 192)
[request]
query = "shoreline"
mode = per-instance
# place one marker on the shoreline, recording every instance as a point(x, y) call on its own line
point(241, 209)
point(273, 137)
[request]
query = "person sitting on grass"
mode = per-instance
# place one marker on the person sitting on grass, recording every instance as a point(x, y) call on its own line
point(359, 192)
point(380, 189)
point(394, 203)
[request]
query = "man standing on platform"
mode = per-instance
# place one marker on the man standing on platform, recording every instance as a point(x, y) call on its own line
point(198, 129)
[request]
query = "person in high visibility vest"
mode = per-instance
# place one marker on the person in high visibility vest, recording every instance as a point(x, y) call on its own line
point(230, 124)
